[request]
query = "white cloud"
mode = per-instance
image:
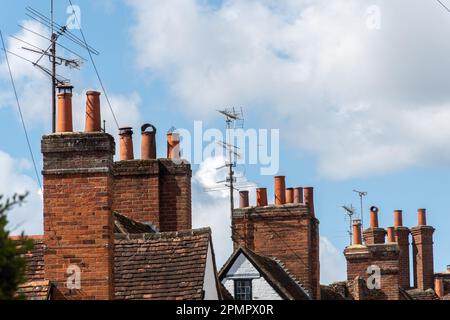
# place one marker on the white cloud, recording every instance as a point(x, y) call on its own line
point(333, 266)
point(28, 217)
point(211, 204)
point(363, 101)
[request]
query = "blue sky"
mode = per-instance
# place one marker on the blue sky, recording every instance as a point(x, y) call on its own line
point(359, 106)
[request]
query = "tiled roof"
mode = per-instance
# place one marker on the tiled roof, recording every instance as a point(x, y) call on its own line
point(335, 291)
point(124, 225)
point(226, 295)
point(417, 294)
point(273, 271)
point(35, 262)
point(36, 290)
point(161, 266)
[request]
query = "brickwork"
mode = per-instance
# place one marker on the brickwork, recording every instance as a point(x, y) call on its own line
point(384, 256)
point(78, 224)
point(374, 235)
point(175, 196)
point(288, 233)
point(82, 188)
point(402, 239)
point(136, 190)
point(423, 257)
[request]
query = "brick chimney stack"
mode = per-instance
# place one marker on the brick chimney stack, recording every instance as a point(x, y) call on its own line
point(289, 233)
point(423, 253)
point(64, 123)
point(402, 239)
point(78, 222)
point(280, 190)
point(374, 234)
point(126, 144)
point(309, 199)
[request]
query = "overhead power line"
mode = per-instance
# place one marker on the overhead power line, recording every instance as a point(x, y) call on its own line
point(94, 65)
point(20, 112)
point(443, 5)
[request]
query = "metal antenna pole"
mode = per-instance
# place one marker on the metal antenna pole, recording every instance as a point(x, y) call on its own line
point(230, 172)
point(361, 195)
point(53, 53)
point(350, 212)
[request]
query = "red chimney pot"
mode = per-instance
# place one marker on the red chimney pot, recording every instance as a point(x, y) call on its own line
point(422, 217)
point(298, 195)
point(93, 117)
point(261, 197)
point(148, 143)
point(290, 195)
point(398, 218)
point(243, 199)
point(374, 217)
point(126, 144)
point(280, 190)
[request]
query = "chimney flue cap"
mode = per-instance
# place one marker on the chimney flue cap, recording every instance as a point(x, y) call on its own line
point(373, 209)
point(126, 131)
point(147, 126)
point(65, 88)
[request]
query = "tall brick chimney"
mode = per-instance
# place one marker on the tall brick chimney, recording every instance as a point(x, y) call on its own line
point(289, 233)
point(361, 258)
point(374, 234)
point(423, 252)
point(78, 223)
point(154, 191)
point(402, 238)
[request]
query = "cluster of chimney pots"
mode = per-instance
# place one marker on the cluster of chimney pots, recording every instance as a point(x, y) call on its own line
point(93, 124)
point(398, 222)
point(283, 195)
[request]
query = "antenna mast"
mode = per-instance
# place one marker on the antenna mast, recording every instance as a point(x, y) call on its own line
point(361, 195)
point(350, 211)
point(53, 61)
point(232, 118)
point(57, 31)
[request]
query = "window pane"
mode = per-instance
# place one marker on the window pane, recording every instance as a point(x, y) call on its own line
point(243, 289)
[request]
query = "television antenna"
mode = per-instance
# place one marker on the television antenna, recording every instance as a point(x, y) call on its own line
point(361, 195)
point(234, 119)
point(350, 211)
point(57, 33)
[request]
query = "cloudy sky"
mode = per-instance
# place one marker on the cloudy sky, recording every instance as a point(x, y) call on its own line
point(357, 88)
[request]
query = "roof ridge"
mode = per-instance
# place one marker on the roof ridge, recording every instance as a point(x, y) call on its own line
point(282, 265)
point(165, 235)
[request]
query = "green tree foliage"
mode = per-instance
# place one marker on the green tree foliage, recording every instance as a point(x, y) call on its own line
point(12, 263)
